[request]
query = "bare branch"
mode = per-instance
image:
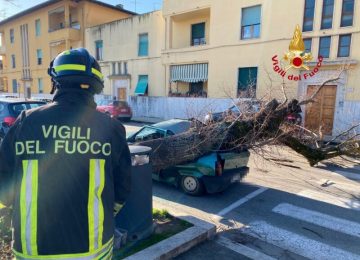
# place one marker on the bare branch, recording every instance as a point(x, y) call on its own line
point(311, 99)
point(344, 133)
point(284, 93)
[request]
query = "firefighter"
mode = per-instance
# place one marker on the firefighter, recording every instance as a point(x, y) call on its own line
point(64, 167)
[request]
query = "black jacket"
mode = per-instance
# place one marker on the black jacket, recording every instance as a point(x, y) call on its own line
point(62, 168)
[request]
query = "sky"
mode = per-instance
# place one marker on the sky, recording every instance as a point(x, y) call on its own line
point(11, 7)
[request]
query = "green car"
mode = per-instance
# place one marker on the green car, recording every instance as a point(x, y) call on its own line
point(211, 173)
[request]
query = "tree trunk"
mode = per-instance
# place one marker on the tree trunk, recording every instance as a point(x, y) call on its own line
point(263, 127)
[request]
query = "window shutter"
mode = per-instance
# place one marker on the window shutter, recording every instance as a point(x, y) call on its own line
point(251, 15)
point(143, 44)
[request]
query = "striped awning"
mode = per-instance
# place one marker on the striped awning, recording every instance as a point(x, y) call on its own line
point(189, 73)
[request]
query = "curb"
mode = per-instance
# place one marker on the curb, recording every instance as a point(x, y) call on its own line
point(347, 174)
point(180, 243)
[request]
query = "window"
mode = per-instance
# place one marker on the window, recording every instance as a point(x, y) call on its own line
point(247, 81)
point(143, 44)
point(324, 46)
point(250, 22)
point(198, 34)
point(327, 14)
point(309, 15)
point(347, 13)
point(40, 86)
point(344, 45)
point(196, 89)
point(113, 70)
point(99, 50)
point(119, 72)
point(125, 68)
point(14, 85)
point(39, 56)
point(37, 27)
point(307, 43)
point(12, 37)
point(13, 65)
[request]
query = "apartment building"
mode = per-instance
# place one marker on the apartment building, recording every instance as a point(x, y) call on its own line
point(130, 55)
point(211, 52)
point(30, 39)
point(239, 38)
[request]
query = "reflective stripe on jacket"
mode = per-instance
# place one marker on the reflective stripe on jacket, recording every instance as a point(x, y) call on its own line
point(63, 166)
point(103, 253)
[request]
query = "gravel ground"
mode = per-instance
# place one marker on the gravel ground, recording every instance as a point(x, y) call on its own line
point(5, 234)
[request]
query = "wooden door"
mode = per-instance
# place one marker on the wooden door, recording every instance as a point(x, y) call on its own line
point(320, 114)
point(122, 93)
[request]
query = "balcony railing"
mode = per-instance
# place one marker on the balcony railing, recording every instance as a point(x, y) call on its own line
point(66, 33)
point(2, 50)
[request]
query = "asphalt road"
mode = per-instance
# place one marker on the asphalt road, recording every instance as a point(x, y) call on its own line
point(283, 209)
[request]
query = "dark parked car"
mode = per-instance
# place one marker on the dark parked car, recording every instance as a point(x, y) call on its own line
point(116, 108)
point(211, 173)
point(10, 108)
point(160, 130)
point(245, 107)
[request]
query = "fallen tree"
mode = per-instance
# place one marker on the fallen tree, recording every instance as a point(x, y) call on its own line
point(246, 131)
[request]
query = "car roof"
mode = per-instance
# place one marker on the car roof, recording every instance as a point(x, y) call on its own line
point(176, 126)
point(19, 100)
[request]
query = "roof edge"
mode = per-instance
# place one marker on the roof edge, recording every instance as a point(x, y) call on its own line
point(50, 2)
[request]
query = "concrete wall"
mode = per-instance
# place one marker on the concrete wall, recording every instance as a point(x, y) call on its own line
point(174, 107)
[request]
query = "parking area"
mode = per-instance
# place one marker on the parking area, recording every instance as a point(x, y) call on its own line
point(282, 210)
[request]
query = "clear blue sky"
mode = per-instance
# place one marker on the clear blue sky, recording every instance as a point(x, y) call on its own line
point(11, 7)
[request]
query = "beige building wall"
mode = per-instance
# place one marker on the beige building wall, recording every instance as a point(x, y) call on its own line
point(121, 45)
point(226, 52)
point(51, 42)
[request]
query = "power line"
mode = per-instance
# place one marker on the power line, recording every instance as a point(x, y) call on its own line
point(3, 11)
point(11, 2)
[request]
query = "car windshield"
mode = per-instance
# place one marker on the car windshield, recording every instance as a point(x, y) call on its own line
point(16, 108)
point(234, 109)
point(103, 102)
point(149, 133)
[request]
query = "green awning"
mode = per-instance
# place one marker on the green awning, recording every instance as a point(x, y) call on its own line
point(141, 86)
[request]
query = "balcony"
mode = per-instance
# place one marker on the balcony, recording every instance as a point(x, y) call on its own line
point(2, 50)
point(2, 66)
point(190, 29)
point(64, 24)
point(65, 34)
point(175, 6)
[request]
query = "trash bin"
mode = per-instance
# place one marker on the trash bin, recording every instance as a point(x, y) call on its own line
point(136, 216)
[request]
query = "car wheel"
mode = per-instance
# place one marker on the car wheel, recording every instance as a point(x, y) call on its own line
point(192, 185)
